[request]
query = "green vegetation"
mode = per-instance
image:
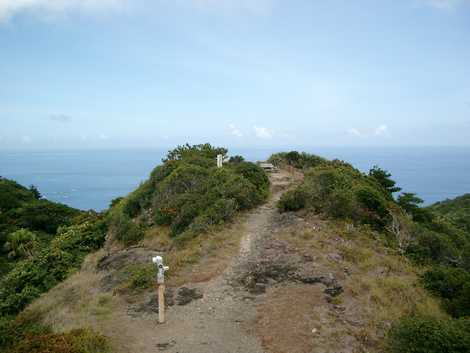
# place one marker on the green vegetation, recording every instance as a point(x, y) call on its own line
point(27, 222)
point(437, 237)
point(42, 243)
point(297, 160)
point(55, 262)
point(457, 211)
point(340, 191)
point(430, 335)
point(189, 194)
point(21, 244)
point(26, 335)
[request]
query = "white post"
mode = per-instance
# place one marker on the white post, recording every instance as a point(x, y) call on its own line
point(158, 260)
point(220, 160)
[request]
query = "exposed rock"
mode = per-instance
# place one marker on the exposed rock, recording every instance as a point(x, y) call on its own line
point(334, 291)
point(150, 305)
point(187, 295)
point(123, 258)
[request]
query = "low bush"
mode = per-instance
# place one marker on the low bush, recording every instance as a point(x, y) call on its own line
point(75, 341)
point(297, 160)
point(123, 228)
point(31, 277)
point(430, 247)
point(453, 285)
point(293, 200)
point(138, 277)
point(429, 335)
point(456, 210)
point(189, 193)
point(43, 215)
point(338, 190)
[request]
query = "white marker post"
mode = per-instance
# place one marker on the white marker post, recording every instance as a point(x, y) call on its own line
point(220, 160)
point(158, 260)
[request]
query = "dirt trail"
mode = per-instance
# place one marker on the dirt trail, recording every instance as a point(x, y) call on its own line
point(223, 320)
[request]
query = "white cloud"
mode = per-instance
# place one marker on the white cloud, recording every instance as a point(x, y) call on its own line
point(263, 133)
point(235, 131)
point(255, 7)
point(381, 130)
point(444, 4)
point(10, 8)
point(378, 131)
point(61, 118)
point(355, 132)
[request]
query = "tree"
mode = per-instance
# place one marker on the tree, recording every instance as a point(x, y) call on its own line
point(236, 159)
point(21, 244)
point(187, 151)
point(37, 195)
point(410, 203)
point(383, 178)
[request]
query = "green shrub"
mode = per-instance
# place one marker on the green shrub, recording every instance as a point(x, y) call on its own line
point(13, 195)
point(457, 211)
point(293, 200)
point(14, 330)
point(205, 151)
point(452, 284)
point(140, 277)
point(188, 192)
point(26, 334)
point(338, 190)
point(21, 244)
point(31, 277)
point(428, 335)
point(255, 175)
point(75, 341)
point(138, 200)
point(124, 229)
point(431, 247)
point(297, 160)
point(43, 215)
point(382, 177)
point(374, 206)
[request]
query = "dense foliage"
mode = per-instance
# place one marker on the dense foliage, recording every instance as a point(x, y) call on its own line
point(27, 221)
point(297, 160)
point(340, 191)
point(430, 335)
point(189, 194)
point(26, 334)
point(456, 211)
point(62, 256)
point(437, 236)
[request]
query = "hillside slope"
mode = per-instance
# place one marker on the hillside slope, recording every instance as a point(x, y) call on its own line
point(456, 210)
point(326, 260)
point(269, 282)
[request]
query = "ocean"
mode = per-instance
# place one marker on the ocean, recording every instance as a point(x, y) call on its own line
point(91, 179)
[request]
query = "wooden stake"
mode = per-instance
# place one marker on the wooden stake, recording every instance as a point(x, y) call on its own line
point(161, 303)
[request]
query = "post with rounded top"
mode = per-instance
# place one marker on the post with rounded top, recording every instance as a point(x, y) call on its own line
point(220, 160)
point(158, 261)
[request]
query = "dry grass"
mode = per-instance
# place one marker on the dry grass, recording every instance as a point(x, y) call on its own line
point(80, 302)
point(380, 286)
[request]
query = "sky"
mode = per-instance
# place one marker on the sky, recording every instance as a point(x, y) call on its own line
point(83, 74)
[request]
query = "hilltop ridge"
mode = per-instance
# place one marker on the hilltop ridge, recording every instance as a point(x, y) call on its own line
point(316, 258)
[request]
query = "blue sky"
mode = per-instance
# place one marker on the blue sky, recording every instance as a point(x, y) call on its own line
point(120, 73)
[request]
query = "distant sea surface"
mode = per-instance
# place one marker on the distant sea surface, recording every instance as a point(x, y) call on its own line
point(91, 179)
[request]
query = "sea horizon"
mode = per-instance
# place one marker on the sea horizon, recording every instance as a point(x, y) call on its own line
point(91, 178)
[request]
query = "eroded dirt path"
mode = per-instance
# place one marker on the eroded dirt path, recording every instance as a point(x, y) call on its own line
point(223, 320)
